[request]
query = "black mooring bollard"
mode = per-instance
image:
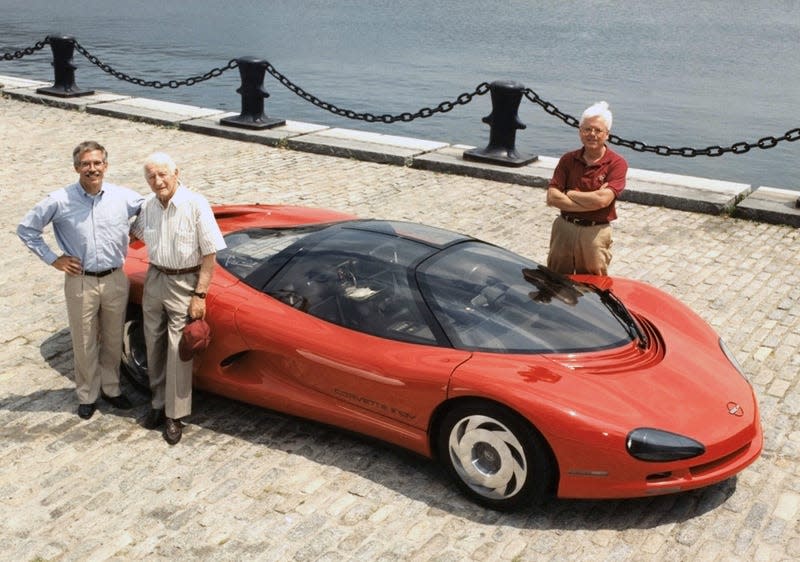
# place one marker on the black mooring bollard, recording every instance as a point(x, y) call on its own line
point(64, 85)
point(251, 71)
point(503, 122)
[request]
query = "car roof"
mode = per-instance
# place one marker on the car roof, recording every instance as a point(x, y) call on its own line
point(424, 234)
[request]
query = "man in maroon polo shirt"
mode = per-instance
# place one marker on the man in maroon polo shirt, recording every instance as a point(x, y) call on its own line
point(584, 187)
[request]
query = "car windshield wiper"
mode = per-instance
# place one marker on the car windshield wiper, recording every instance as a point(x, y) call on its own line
point(625, 318)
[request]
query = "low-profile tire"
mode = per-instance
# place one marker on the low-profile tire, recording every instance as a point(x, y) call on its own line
point(496, 457)
point(134, 353)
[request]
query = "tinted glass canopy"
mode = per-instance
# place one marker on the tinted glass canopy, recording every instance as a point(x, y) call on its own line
point(425, 285)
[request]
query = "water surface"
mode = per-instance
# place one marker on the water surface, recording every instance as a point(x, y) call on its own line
point(677, 73)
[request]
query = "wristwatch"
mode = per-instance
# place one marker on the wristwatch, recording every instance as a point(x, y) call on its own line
point(199, 295)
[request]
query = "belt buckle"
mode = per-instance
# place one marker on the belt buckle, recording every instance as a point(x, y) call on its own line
point(581, 222)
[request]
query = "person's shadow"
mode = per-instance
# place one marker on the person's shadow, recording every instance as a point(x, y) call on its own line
point(56, 350)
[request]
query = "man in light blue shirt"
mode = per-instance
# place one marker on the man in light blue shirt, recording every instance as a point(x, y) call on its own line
point(91, 222)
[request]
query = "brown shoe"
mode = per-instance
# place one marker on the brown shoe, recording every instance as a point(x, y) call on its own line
point(173, 429)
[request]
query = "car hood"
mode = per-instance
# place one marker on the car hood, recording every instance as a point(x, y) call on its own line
point(680, 382)
point(706, 399)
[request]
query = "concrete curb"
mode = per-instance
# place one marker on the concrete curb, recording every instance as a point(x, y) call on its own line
point(686, 193)
point(772, 205)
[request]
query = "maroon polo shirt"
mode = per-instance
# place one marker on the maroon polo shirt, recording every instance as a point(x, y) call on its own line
point(572, 172)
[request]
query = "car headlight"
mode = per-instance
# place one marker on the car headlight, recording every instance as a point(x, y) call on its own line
point(729, 354)
point(655, 445)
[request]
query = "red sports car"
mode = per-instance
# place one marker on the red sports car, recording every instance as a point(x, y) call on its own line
point(522, 382)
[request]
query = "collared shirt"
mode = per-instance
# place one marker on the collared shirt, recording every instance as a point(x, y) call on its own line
point(93, 228)
point(179, 235)
point(572, 172)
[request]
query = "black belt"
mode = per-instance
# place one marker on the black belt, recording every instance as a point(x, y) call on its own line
point(582, 222)
point(168, 271)
point(100, 273)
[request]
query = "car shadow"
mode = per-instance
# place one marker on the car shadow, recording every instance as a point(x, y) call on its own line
point(404, 472)
point(424, 480)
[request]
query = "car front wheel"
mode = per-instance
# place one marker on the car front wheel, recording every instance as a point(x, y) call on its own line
point(496, 457)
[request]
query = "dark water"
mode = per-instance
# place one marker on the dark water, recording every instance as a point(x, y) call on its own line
point(676, 72)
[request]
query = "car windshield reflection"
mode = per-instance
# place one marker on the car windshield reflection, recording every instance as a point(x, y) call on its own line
point(490, 299)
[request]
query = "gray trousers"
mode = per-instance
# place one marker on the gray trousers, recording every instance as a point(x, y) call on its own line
point(96, 314)
point(165, 307)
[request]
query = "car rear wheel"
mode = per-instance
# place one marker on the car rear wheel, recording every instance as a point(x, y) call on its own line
point(134, 354)
point(496, 457)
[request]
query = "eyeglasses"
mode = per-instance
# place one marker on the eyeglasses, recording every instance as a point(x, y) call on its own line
point(89, 163)
point(593, 130)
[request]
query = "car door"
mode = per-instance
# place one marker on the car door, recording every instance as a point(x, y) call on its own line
point(354, 330)
point(315, 367)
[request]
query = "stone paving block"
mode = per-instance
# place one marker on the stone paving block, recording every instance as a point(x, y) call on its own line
point(684, 193)
point(78, 102)
point(451, 160)
point(772, 205)
point(246, 484)
point(273, 136)
point(370, 147)
point(11, 82)
point(151, 111)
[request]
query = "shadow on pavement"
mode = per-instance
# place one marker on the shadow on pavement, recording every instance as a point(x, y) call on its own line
point(423, 480)
point(404, 472)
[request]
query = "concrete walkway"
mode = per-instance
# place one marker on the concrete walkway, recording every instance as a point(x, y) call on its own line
point(247, 484)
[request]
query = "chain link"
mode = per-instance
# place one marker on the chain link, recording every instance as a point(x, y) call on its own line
point(688, 152)
point(154, 83)
point(38, 46)
point(443, 107)
point(483, 88)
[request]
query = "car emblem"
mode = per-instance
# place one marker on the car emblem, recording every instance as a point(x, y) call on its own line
point(735, 410)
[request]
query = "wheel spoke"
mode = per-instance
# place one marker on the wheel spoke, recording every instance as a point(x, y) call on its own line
point(487, 456)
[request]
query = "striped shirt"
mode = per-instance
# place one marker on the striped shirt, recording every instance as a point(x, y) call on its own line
point(179, 236)
point(92, 228)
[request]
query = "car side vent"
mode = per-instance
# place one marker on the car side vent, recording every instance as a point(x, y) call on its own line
point(231, 359)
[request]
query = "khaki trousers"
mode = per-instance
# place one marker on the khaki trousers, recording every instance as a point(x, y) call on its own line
point(579, 249)
point(165, 307)
point(96, 313)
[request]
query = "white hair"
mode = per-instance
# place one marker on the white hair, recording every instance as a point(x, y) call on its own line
point(161, 159)
point(598, 109)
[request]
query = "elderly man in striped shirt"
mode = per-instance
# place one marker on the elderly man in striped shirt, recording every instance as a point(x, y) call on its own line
point(182, 238)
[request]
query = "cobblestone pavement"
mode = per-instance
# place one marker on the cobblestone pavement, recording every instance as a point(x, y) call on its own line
point(247, 484)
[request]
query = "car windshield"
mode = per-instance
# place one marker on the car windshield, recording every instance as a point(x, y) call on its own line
point(255, 254)
point(359, 278)
point(426, 286)
point(489, 299)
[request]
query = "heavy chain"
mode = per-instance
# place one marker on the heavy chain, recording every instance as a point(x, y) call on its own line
point(736, 148)
point(154, 83)
point(443, 107)
point(741, 147)
point(38, 46)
